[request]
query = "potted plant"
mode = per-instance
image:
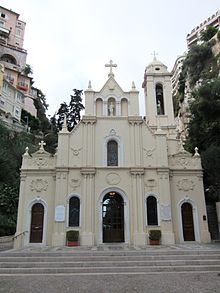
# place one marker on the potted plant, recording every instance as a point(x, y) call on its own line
point(154, 237)
point(72, 238)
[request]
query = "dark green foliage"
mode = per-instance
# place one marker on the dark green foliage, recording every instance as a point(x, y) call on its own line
point(204, 127)
point(12, 147)
point(207, 34)
point(211, 165)
point(201, 69)
point(154, 234)
point(200, 63)
point(30, 121)
point(61, 113)
point(75, 107)
point(72, 235)
point(71, 111)
point(8, 209)
point(27, 70)
point(41, 106)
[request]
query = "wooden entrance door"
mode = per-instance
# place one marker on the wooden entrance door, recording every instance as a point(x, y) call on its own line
point(113, 218)
point(37, 221)
point(187, 221)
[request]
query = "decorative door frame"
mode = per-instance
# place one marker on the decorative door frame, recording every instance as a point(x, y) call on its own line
point(195, 219)
point(126, 214)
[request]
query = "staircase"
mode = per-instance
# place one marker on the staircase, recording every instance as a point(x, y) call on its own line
point(111, 261)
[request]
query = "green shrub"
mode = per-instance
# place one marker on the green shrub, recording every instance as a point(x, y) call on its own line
point(72, 235)
point(154, 234)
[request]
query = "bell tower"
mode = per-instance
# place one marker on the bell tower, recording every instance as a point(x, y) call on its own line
point(158, 95)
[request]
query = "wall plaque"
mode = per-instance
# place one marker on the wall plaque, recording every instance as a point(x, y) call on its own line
point(60, 213)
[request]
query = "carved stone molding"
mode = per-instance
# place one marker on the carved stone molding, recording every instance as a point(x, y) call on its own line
point(75, 182)
point(113, 178)
point(76, 151)
point(150, 183)
point(39, 185)
point(149, 152)
point(40, 162)
point(185, 184)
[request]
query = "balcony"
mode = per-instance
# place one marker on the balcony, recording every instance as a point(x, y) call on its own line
point(10, 79)
point(22, 86)
point(4, 32)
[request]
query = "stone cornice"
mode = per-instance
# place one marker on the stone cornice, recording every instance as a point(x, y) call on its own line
point(88, 171)
point(137, 171)
point(135, 120)
point(89, 119)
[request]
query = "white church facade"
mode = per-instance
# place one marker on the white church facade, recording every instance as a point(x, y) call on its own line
point(116, 175)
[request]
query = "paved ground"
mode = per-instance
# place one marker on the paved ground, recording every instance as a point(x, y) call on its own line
point(174, 282)
point(155, 283)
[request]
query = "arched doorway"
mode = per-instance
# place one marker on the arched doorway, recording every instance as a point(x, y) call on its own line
point(187, 222)
point(113, 218)
point(37, 223)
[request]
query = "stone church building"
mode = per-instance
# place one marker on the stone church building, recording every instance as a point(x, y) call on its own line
point(116, 175)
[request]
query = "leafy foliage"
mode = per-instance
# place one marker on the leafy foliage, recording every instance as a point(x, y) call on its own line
point(12, 147)
point(201, 72)
point(207, 34)
point(71, 111)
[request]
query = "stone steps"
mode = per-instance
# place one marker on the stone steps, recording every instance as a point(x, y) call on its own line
point(84, 262)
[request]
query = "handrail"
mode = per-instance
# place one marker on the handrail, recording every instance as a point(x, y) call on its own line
point(22, 233)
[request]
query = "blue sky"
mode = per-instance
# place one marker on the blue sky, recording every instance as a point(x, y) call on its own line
point(70, 41)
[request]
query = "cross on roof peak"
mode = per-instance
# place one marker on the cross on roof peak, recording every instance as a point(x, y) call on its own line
point(110, 65)
point(42, 144)
point(154, 54)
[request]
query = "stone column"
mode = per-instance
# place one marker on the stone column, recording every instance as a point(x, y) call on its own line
point(138, 193)
point(18, 241)
point(59, 228)
point(118, 108)
point(88, 207)
point(165, 202)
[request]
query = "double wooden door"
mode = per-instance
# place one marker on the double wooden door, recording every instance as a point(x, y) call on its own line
point(37, 222)
point(187, 222)
point(113, 218)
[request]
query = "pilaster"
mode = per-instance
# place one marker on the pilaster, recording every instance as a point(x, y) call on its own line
point(88, 204)
point(138, 212)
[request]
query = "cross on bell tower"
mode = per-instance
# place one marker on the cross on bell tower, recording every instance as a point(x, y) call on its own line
point(155, 54)
point(110, 65)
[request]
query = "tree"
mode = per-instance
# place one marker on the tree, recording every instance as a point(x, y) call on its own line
point(75, 107)
point(208, 33)
point(27, 70)
point(71, 111)
point(41, 106)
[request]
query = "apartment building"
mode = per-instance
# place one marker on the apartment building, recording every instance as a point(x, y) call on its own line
point(16, 79)
point(194, 37)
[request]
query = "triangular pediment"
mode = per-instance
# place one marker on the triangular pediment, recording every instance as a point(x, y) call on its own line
point(111, 86)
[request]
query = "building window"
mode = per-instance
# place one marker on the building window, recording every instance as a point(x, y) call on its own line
point(152, 217)
point(112, 153)
point(74, 211)
point(2, 102)
point(18, 32)
point(2, 15)
point(160, 99)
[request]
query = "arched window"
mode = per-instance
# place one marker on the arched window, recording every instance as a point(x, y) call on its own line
point(74, 211)
point(9, 58)
point(152, 217)
point(160, 99)
point(112, 153)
